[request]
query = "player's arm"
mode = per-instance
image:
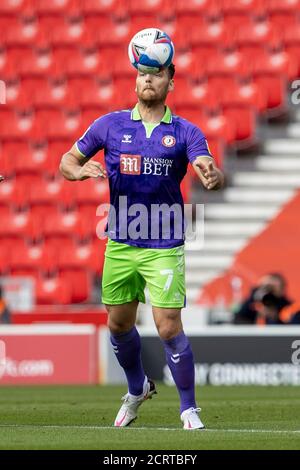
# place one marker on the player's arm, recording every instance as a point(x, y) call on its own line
point(210, 176)
point(76, 167)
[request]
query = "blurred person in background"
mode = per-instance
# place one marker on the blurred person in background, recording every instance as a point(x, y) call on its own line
point(4, 310)
point(267, 303)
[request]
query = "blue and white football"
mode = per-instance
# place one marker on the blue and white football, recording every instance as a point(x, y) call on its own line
point(151, 49)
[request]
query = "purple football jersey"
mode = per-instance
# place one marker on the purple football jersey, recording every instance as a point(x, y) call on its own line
point(145, 168)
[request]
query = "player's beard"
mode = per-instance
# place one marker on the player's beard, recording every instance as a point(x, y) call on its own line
point(152, 98)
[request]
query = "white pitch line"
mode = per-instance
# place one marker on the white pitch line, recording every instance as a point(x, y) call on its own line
point(70, 426)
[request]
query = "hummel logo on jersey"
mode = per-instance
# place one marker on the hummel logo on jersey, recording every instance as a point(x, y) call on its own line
point(127, 139)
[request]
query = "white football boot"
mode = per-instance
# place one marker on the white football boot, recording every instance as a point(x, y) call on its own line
point(128, 411)
point(191, 420)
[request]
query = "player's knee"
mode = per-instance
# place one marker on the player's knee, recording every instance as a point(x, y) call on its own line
point(168, 331)
point(117, 326)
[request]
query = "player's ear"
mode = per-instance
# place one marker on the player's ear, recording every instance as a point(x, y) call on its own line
point(171, 85)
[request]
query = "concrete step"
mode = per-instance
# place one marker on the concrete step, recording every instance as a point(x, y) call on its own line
point(207, 261)
point(249, 194)
point(282, 146)
point(192, 293)
point(211, 245)
point(266, 180)
point(297, 115)
point(231, 228)
point(284, 164)
point(293, 130)
point(197, 279)
point(240, 211)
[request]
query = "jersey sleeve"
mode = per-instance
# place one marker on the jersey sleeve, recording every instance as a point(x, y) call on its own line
point(94, 138)
point(196, 144)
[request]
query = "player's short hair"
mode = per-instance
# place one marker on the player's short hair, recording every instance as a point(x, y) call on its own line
point(171, 71)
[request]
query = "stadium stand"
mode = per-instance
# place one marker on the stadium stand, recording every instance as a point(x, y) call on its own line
point(65, 63)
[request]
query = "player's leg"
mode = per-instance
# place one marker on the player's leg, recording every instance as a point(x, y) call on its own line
point(122, 289)
point(126, 343)
point(163, 270)
point(180, 360)
point(178, 353)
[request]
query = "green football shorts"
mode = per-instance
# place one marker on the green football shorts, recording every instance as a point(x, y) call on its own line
point(127, 270)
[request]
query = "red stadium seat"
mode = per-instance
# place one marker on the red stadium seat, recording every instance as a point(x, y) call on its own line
point(56, 124)
point(79, 282)
point(119, 66)
point(185, 64)
point(232, 64)
point(15, 7)
point(60, 223)
point(91, 93)
point(276, 62)
point(67, 31)
point(24, 158)
point(8, 70)
point(207, 8)
point(31, 257)
point(53, 290)
point(210, 34)
point(283, 6)
point(4, 258)
point(92, 63)
point(247, 93)
point(257, 33)
point(54, 151)
point(70, 7)
point(217, 126)
point(92, 191)
point(89, 256)
point(11, 193)
point(104, 7)
point(104, 31)
point(58, 191)
point(243, 119)
point(192, 95)
point(15, 223)
point(157, 7)
point(187, 22)
point(141, 21)
point(282, 21)
point(17, 125)
point(273, 86)
point(253, 7)
point(21, 32)
point(125, 92)
point(88, 220)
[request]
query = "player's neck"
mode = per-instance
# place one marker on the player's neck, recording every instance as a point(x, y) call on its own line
point(151, 112)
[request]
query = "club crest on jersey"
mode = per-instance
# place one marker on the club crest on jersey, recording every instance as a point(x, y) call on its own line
point(168, 141)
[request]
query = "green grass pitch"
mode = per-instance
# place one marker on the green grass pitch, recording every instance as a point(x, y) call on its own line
point(80, 417)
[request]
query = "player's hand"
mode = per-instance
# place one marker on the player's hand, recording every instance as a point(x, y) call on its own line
point(91, 169)
point(211, 175)
point(1, 178)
